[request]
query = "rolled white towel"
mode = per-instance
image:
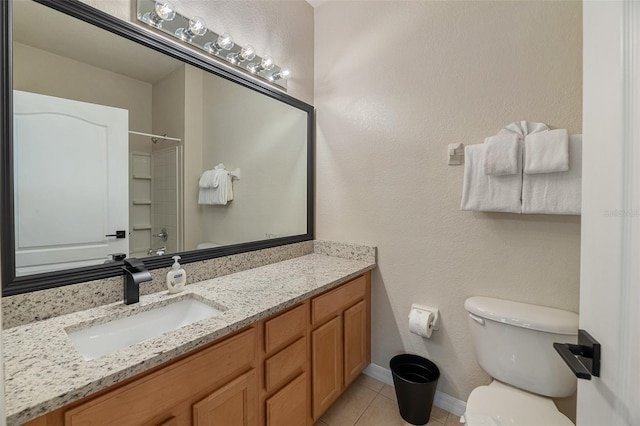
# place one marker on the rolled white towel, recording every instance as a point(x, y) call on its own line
point(501, 154)
point(485, 192)
point(546, 152)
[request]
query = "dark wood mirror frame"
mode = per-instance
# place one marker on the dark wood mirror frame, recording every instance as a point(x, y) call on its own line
point(11, 284)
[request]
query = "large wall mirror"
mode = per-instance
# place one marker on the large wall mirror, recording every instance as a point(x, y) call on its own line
point(117, 141)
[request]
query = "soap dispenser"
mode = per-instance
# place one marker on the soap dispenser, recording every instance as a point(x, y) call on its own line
point(176, 277)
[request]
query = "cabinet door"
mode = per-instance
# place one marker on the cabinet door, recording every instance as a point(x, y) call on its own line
point(326, 365)
point(288, 407)
point(235, 404)
point(356, 346)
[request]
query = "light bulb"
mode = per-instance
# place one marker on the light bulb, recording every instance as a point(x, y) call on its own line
point(165, 10)
point(246, 54)
point(197, 27)
point(162, 11)
point(283, 74)
point(266, 64)
point(224, 42)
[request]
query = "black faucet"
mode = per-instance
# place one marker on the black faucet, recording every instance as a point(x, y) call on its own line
point(134, 274)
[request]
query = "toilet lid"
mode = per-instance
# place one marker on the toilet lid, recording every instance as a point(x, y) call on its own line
point(492, 406)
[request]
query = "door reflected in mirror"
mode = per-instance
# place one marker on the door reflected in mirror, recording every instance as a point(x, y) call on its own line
point(111, 136)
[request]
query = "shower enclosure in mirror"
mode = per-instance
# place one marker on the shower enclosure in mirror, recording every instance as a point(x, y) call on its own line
point(113, 136)
point(155, 173)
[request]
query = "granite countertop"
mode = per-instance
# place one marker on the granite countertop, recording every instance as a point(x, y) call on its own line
point(44, 371)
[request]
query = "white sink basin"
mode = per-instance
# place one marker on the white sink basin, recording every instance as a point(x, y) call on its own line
point(103, 339)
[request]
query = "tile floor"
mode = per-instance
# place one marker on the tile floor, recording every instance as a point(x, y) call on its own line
point(368, 402)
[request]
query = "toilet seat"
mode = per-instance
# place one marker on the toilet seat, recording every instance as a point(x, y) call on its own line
point(499, 404)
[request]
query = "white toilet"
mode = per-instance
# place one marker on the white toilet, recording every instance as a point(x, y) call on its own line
point(514, 344)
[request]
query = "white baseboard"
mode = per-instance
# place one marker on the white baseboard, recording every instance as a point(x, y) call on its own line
point(442, 400)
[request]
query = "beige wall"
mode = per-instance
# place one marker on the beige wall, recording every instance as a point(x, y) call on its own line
point(280, 28)
point(168, 97)
point(193, 140)
point(42, 72)
point(395, 82)
point(265, 138)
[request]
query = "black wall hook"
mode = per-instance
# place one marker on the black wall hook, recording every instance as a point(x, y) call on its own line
point(584, 358)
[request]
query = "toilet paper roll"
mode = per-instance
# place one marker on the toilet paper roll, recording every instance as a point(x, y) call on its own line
point(420, 322)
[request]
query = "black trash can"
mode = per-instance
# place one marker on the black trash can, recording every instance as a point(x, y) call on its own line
point(415, 379)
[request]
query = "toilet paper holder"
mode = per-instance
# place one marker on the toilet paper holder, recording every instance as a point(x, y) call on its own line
point(433, 324)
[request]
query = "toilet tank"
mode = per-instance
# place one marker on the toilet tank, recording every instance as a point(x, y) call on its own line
point(513, 343)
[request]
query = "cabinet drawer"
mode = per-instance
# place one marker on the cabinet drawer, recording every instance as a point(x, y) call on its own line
point(329, 304)
point(284, 328)
point(289, 405)
point(142, 400)
point(285, 364)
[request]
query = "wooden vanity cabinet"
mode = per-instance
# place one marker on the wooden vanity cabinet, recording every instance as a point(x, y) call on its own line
point(285, 370)
point(340, 340)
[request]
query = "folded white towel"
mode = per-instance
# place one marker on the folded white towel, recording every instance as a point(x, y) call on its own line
point(489, 193)
point(215, 187)
point(546, 152)
point(207, 196)
point(524, 128)
point(501, 154)
point(556, 193)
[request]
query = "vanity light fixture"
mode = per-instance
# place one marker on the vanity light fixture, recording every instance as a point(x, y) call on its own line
point(161, 15)
point(224, 42)
point(162, 11)
point(283, 74)
point(196, 27)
